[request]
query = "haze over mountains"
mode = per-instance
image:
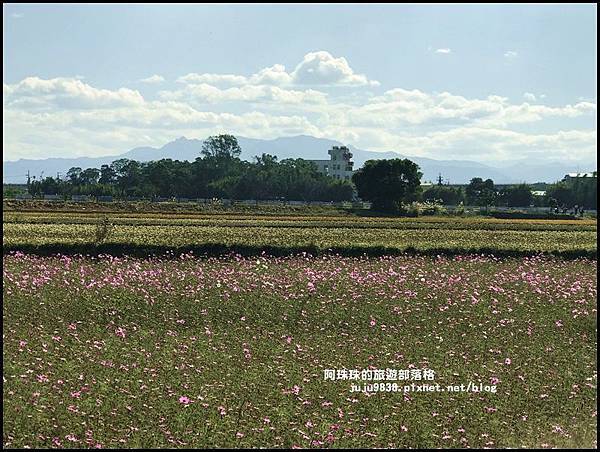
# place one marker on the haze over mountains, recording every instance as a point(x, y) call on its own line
point(307, 147)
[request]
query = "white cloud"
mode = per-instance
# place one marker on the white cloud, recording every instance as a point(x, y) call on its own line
point(153, 79)
point(274, 75)
point(321, 68)
point(529, 96)
point(213, 79)
point(17, 15)
point(66, 93)
point(58, 116)
point(446, 51)
point(205, 93)
point(400, 108)
point(510, 54)
point(316, 69)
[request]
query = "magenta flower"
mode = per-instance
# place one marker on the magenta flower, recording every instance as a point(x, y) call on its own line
point(184, 400)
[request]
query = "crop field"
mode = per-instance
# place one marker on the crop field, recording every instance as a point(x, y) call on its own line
point(233, 351)
point(147, 329)
point(56, 232)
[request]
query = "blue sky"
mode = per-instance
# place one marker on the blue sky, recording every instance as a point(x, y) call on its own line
point(487, 82)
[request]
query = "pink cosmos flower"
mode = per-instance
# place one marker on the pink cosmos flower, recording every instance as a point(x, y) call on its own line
point(184, 400)
point(507, 361)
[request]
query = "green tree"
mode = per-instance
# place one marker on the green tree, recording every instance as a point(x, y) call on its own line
point(517, 196)
point(448, 195)
point(221, 147)
point(481, 192)
point(388, 183)
point(73, 175)
point(108, 174)
point(89, 176)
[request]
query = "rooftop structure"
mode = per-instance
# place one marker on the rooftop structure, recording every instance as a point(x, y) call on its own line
point(578, 175)
point(339, 165)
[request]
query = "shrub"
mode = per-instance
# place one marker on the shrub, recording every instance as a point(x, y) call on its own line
point(103, 231)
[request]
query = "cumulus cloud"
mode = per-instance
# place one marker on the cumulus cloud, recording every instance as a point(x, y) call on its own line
point(55, 116)
point(443, 51)
point(205, 93)
point(321, 68)
point(529, 96)
point(274, 75)
point(398, 107)
point(316, 69)
point(153, 79)
point(510, 54)
point(213, 79)
point(66, 93)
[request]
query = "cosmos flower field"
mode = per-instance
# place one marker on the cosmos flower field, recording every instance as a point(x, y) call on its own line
point(188, 351)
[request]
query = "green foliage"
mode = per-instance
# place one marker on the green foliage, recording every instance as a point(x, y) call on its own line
point(444, 194)
point(10, 191)
point(388, 183)
point(217, 173)
point(582, 192)
point(516, 196)
point(103, 231)
point(481, 193)
point(221, 147)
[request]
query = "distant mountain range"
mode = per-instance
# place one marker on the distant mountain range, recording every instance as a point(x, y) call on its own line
point(307, 147)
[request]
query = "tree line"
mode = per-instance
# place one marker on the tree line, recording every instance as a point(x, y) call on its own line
point(391, 184)
point(581, 192)
point(217, 173)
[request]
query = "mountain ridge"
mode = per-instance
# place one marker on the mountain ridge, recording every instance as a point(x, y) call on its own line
point(307, 147)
